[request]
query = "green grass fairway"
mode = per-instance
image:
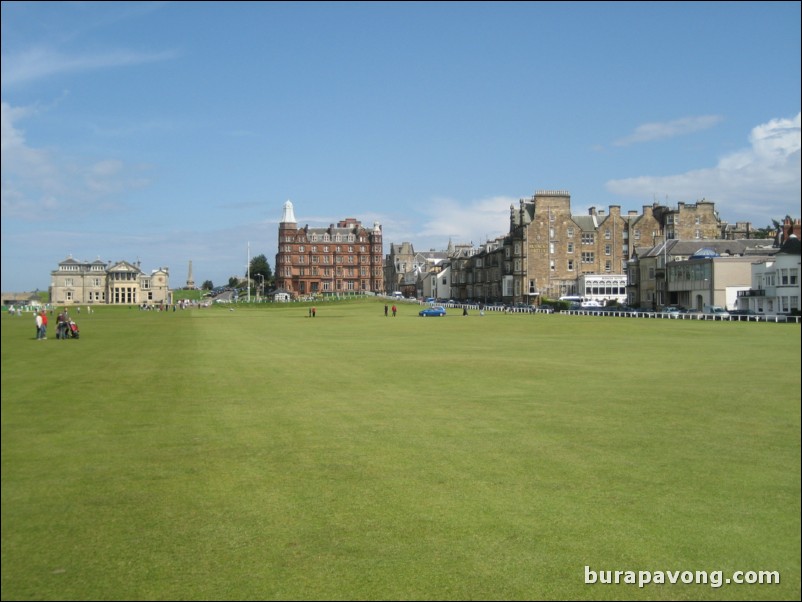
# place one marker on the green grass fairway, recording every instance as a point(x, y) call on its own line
point(260, 454)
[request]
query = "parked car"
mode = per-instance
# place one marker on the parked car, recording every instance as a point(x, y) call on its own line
point(437, 310)
point(718, 312)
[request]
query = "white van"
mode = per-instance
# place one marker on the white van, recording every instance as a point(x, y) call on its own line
point(398, 294)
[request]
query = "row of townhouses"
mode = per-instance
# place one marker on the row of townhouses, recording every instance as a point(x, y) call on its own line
point(685, 255)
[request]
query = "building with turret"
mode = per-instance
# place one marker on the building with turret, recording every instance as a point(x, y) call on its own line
point(345, 258)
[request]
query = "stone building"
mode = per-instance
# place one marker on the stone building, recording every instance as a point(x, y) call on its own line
point(407, 271)
point(548, 248)
point(99, 283)
point(342, 259)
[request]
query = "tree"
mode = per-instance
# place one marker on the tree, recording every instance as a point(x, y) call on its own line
point(769, 231)
point(207, 286)
point(260, 267)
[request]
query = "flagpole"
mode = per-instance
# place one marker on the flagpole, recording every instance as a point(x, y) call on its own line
point(249, 271)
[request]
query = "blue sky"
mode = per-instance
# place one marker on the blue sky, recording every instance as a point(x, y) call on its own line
point(174, 132)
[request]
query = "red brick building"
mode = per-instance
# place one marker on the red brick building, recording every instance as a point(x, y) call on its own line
point(342, 259)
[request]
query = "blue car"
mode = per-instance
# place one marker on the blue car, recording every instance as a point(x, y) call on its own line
point(437, 310)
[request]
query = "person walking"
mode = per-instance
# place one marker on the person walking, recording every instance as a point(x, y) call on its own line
point(395, 309)
point(38, 319)
point(385, 310)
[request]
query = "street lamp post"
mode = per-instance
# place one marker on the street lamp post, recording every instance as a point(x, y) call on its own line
point(261, 287)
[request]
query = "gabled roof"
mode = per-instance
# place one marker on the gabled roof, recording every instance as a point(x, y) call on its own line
point(124, 266)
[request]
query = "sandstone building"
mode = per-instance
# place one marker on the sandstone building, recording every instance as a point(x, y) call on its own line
point(99, 283)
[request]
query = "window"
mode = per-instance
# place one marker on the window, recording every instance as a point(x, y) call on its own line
point(570, 265)
point(588, 238)
point(608, 249)
point(608, 266)
point(570, 232)
point(588, 257)
point(607, 235)
point(637, 234)
point(570, 247)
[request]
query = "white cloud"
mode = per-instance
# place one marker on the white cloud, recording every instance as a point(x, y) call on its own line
point(475, 221)
point(41, 62)
point(39, 184)
point(668, 129)
point(758, 183)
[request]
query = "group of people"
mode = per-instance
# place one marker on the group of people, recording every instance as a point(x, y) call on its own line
point(65, 327)
point(395, 309)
